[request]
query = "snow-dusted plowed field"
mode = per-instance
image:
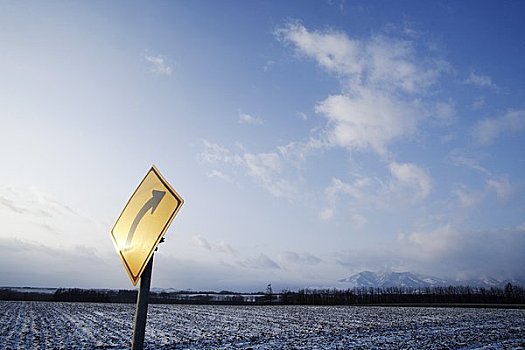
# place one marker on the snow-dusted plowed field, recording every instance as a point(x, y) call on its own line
point(41, 325)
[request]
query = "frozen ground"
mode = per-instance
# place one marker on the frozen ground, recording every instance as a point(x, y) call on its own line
point(41, 325)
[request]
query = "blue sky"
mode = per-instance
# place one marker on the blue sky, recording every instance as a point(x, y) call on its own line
point(310, 140)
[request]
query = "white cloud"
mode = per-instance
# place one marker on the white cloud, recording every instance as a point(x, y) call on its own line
point(445, 112)
point(263, 165)
point(302, 115)
point(159, 65)
point(461, 157)
point(501, 187)
point(378, 259)
point(214, 153)
point(265, 168)
point(332, 50)
point(480, 80)
point(392, 65)
point(478, 103)
point(452, 252)
point(358, 190)
point(32, 202)
point(467, 198)
point(220, 175)
point(220, 247)
point(300, 258)
point(408, 183)
point(446, 251)
point(40, 230)
point(297, 152)
point(487, 131)
point(40, 218)
point(432, 244)
point(245, 118)
point(383, 79)
point(368, 119)
point(327, 214)
point(202, 242)
point(268, 65)
point(25, 262)
point(260, 262)
point(410, 176)
point(382, 62)
point(358, 221)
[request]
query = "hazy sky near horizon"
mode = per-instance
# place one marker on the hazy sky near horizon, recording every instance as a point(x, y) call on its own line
point(310, 139)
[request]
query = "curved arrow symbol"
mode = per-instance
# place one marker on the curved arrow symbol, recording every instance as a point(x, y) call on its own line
point(152, 204)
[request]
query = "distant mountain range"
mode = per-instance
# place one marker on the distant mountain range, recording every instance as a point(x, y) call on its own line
point(414, 280)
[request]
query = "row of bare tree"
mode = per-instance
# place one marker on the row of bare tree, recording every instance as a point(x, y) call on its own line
point(510, 294)
point(400, 295)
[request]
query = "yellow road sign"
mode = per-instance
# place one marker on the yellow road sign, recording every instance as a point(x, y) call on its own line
point(144, 221)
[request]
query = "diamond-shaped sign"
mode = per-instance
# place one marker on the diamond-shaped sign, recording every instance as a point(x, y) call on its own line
point(144, 221)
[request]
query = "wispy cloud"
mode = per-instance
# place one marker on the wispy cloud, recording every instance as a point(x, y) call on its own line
point(265, 168)
point(467, 198)
point(462, 157)
point(220, 175)
point(501, 187)
point(37, 217)
point(380, 258)
point(34, 203)
point(268, 65)
point(448, 250)
point(220, 247)
point(380, 61)
point(327, 213)
point(300, 258)
point(159, 65)
point(245, 118)
point(214, 153)
point(478, 103)
point(76, 265)
point(480, 80)
point(434, 243)
point(383, 79)
point(302, 115)
point(408, 182)
point(380, 103)
point(406, 185)
point(411, 177)
point(445, 112)
point(368, 119)
point(260, 262)
point(9, 204)
point(358, 189)
point(488, 130)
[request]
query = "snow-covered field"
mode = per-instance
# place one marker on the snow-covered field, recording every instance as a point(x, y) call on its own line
point(41, 325)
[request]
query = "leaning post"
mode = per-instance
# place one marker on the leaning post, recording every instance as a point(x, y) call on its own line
point(141, 311)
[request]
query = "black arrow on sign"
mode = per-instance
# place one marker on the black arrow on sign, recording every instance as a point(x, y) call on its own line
point(152, 204)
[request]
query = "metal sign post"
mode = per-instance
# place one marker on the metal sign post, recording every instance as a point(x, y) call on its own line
point(141, 312)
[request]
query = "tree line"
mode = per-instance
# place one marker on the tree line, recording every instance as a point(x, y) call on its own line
point(510, 294)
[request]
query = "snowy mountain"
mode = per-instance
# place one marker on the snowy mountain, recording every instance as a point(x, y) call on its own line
point(392, 279)
point(387, 279)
